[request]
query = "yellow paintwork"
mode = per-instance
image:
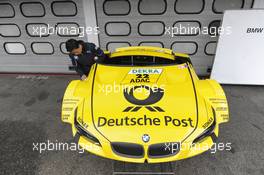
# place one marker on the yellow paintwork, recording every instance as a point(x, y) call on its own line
point(178, 102)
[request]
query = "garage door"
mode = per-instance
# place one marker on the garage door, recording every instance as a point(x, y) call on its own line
point(26, 44)
point(121, 23)
point(147, 22)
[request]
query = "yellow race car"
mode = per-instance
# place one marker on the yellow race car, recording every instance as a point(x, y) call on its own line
point(145, 105)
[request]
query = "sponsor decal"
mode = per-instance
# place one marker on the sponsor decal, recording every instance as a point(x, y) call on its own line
point(147, 102)
point(208, 123)
point(152, 97)
point(142, 75)
point(145, 138)
point(140, 78)
point(145, 71)
point(221, 109)
point(225, 116)
point(85, 125)
point(67, 109)
point(255, 30)
point(65, 117)
point(144, 121)
point(218, 100)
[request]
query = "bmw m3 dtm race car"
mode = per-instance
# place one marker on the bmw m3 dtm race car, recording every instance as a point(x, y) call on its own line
point(145, 104)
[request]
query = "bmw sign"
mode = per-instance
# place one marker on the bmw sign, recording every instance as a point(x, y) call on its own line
point(145, 138)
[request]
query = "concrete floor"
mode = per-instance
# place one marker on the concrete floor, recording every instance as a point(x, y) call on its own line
point(30, 113)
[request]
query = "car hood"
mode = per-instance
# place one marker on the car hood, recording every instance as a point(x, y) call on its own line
point(129, 102)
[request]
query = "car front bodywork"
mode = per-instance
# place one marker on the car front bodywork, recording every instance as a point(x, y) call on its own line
point(156, 113)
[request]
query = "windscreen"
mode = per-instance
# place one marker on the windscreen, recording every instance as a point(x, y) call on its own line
point(141, 60)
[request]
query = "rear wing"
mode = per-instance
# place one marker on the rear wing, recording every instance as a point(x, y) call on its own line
point(149, 50)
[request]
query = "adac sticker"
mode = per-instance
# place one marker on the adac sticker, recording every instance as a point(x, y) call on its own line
point(142, 75)
point(145, 71)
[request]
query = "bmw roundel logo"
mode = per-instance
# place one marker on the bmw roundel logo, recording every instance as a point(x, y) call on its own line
point(145, 138)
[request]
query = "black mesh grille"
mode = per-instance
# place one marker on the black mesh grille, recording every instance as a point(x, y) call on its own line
point(163, 149)
point(128, 149)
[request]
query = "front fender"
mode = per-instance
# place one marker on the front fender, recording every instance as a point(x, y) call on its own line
point(215, 96)
point(71, 104)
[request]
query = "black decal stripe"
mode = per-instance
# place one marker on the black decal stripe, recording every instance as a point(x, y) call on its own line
point(153, 97)
point(128, 109)
point(214, 138)
point(83, 108)
point(92, 102)
point(150, 108)
point(197, 108)
point(159, 109)
point(136, 109)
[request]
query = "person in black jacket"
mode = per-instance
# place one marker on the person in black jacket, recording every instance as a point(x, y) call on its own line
point(83, 55)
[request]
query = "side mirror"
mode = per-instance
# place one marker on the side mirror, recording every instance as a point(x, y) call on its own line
point(182, 57)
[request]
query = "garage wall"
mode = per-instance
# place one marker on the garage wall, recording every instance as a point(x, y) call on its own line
point(121, 23)
point(259, 4)
point(22, 49)
point(143, 22)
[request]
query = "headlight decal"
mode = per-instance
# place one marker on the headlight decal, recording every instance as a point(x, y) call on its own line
point(207, 132)
point(82, 131)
